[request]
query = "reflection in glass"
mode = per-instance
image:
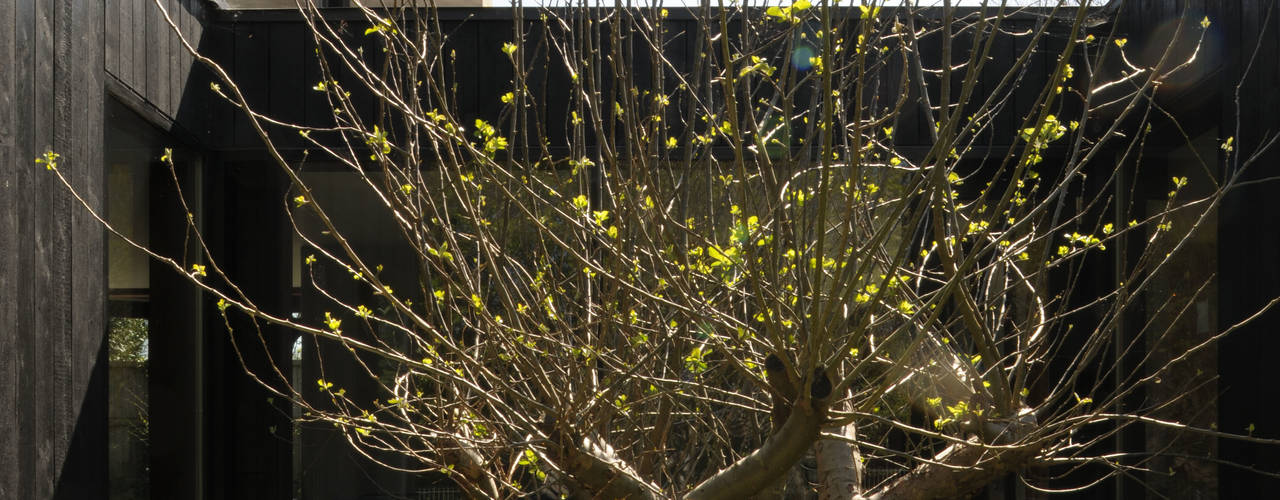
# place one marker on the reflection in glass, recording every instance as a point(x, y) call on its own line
point(127, 424)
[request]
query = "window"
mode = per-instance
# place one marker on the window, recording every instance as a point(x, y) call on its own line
point(154, 337)
point(128, 159)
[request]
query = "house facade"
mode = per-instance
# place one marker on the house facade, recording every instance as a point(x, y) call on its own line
point(109, 87)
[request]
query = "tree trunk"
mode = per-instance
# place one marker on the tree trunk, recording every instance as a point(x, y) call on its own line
point(839, 466)
point(968, 467)
point(758, 470)
point(595, 468)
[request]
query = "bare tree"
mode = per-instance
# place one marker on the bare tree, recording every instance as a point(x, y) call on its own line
point(656, 277)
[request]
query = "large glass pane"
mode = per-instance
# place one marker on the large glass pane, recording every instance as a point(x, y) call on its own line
point(128, 334)
point(128, 432)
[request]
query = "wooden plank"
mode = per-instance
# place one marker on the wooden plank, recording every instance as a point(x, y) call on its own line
point(190, 24)
point(111, 47)
point(1245, 260)
point(1255, 86)
point(10, 198)
point(84, 473)
point(218, 122)
point(124, 70)
point(464, 44)
point(127, 35)
point(173, 62)
point(1002, 127)
point(34, 40)
point(45, 92)
point(65, 143)
point(555, 81)
point(315, 108)
point(534, 59)
point(962, 58)
point(157, 69)
point(1225, 17)
point(1066, 105)
point(193, 113)
point(251, 64)
point(1027, 90)
point(494, 65)
point(138, 52)
point(362, 100)
point(1246, 263)
point(134, 101)
point(287, 92)
point(888, 82)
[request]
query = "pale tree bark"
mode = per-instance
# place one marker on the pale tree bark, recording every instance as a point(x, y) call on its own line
point(958, 472)
point(760, 469)
point(776, 489)
point(839, 465)
point(595, 471)
point(476, 478)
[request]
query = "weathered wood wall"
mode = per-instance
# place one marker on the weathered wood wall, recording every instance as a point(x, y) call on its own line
point(146, 65)
point(271, 55)
point(52, 266)
point(1243, 54)
point(1248, 244)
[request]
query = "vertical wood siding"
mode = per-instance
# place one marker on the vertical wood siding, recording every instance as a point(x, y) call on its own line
point(1248, 55)
point(52, 307)
point(1248, 239)
point(144, 54)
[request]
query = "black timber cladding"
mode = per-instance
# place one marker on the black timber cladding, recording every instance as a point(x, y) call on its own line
point(1245, 36)
point(52, 272)
point(147, 66)
point(262, 52)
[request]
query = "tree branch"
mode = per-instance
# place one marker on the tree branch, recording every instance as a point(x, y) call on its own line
point(596, 469)
point(958, 471)
point(770, 461)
